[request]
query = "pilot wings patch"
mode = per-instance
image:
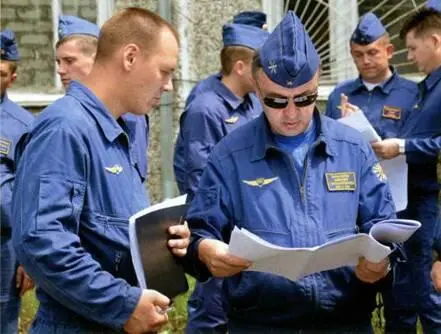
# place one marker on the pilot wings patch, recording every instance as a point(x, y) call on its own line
point(260, 182)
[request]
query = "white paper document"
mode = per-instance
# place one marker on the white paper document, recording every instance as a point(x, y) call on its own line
point(295, 263)
point(396, 172)
point(358, 121)
point(395, 169)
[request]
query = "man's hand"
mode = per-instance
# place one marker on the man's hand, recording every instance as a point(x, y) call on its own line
point(22, 281)
point(387, 149)
point(369, 272)
point(150, 314)
point(345, 107)
point(436, 275)
point(220, 262)
point(179, 246)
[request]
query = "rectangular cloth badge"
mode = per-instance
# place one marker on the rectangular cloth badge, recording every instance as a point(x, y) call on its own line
point(391, 112)
point(5, 145)
point(341, 181)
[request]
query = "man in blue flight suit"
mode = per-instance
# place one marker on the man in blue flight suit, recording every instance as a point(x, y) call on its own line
point(213, 114)
point(380, 92)
point(420, 142)
point(77, 186)
point(75, 53)
point(14, 122)
point(277, 177)
point(252, 18)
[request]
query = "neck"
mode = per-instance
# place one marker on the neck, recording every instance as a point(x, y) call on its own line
point(107, 89)
point(386, 75)
point(234, 85)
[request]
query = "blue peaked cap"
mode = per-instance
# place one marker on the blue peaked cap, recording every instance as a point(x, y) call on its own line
point(434, 4)
point(251, 18)
point(243, 35)
point(289, 57)
point(72, 25)
point(8, 46)
point(368, 30)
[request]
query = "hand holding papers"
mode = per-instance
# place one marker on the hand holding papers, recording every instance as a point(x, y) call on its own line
point(155, 266)
point(358, 121)
point(295, 263)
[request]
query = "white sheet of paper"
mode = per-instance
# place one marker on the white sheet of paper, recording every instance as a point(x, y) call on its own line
point(295, 263)
point(396, 172)
point(358, 121)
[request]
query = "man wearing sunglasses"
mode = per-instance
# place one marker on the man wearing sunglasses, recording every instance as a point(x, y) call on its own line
point(296, 179)
point(380, 92)
point(229, 104)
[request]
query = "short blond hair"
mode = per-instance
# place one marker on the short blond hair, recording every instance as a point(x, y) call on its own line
point(131, 25)
point(86, 43)
point(232, 54)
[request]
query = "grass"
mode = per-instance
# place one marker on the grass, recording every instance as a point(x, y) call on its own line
point(177, 317)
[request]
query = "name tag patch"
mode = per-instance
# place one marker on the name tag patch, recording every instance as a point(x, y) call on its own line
point(342, 181)
point(391, 112)
point(5, 145)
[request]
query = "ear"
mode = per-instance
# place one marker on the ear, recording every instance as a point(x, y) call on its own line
point(239, 67)
point(436, 40)
point(131, 53)
point(390, 48)
point(13, 78)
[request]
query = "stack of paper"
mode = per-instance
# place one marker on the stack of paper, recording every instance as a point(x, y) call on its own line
point(295, 263)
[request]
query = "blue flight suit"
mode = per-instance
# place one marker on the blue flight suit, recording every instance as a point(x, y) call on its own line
point(202, 86)
point(413, 292)
point(77, 187)
point(138, 130)
point(14, 123)
point(211, 116)
point(386, 107)
point(291, 210)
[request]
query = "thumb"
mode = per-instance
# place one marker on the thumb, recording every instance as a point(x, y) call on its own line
point(159, 299)
point(19, 277)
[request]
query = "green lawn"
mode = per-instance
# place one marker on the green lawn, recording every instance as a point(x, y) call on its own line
point(178, 317)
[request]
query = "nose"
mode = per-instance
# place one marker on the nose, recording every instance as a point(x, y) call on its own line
point(409, 56)
point(168, 87)
point(365, 59)
point(60, 69)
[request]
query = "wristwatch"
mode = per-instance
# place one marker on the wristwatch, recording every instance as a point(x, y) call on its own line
point(402, 146)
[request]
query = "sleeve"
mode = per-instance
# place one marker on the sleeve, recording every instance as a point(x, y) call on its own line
point(331, 107)
point(201, 132)
point(419, 150)
point(47, 205)
point(209, 215)
point(7, 178)
point(376, 202)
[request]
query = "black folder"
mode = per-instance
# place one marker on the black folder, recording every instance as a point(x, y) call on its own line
point(155, 266)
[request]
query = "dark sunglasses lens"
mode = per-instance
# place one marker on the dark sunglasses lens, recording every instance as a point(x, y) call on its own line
point(275, 102)
point(304, 101)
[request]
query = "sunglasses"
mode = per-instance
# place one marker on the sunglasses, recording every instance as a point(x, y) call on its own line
point(282, 102)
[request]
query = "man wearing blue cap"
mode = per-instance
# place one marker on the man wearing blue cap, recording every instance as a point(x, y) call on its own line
point(78, 184)
point(420, 142)
point(75, 54)
point(14, 120)
point(380, 92)
point(229, 104)
point(252, 18)
point(275, 176)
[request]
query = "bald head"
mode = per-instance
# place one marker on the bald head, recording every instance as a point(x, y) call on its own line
point(131, 26)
